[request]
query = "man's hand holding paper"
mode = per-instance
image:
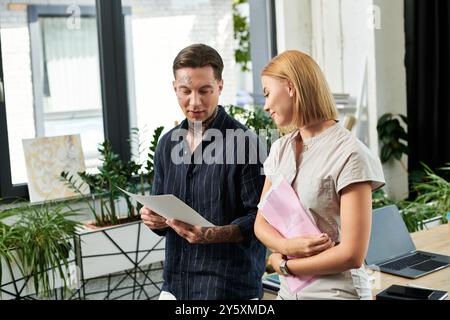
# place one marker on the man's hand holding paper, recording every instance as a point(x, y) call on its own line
point(169, 207)
point(193, 234)
point(164, 211)
point(153, 220)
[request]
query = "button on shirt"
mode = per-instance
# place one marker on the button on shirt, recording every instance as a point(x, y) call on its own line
point(224, 193)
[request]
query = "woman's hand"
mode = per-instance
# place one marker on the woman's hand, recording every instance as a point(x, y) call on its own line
point(275, 260)
point(301, 247)
point(307, 246)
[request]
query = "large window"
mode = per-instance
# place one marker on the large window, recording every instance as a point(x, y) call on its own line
point(67, 76)
point(155, 32)
point(97, 68)
point(53, 75)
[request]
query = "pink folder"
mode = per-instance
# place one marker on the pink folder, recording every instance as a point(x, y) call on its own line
point(283, 210)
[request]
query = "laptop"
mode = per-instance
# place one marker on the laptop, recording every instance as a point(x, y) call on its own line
point(391, 249)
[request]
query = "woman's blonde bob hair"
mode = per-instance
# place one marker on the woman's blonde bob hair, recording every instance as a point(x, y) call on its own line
point(313, 101)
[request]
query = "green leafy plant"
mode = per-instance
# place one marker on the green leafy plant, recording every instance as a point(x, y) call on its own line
point(433, 194)
point(411, 212)
point(434, 189)
point(255, 119)
point(45, 232)
point(380, 199)
point(113, 173)
point(415, 215)
point(242, 54)
point(146, 170)
point(41, 239)
point(149, 164)
point(8, 238)
point(393, 137)
point(432, 200)
point(137, 149)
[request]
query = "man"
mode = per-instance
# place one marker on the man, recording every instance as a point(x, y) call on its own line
point(226, 261)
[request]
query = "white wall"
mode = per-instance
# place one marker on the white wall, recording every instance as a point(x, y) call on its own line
point(292, 32)
point(390, 82)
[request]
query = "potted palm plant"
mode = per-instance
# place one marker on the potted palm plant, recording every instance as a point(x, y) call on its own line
point(36, 250)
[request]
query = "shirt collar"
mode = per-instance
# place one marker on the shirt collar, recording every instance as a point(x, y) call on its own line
point(294, 134)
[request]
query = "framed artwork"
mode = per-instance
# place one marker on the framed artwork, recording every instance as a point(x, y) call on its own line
point(45, 159)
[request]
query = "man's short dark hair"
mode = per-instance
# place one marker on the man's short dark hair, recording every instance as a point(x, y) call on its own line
point(199, 56)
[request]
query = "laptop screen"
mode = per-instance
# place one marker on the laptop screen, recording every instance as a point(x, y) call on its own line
point(389, 237)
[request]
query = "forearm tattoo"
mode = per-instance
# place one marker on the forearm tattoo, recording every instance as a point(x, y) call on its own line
point(231, 234)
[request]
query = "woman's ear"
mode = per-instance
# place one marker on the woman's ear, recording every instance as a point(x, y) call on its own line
point(291, 89)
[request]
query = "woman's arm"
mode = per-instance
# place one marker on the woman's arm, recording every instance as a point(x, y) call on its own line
point(269, 236)
point(356, 213)
point(299, 247)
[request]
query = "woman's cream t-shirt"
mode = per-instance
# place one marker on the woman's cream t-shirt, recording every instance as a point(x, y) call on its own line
point(328, 163)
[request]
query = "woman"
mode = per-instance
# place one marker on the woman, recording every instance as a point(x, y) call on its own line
point(333, 174)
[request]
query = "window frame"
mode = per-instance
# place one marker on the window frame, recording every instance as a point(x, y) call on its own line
point(263, 41)
point(34, 13)
point(113, 74)
point(110, 25)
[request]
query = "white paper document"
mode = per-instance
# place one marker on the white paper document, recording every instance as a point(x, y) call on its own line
point(170, 207)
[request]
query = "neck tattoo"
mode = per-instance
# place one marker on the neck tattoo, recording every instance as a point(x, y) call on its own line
point(198, 127)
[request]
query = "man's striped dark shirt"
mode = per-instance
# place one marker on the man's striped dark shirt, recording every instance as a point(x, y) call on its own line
point(224, 194)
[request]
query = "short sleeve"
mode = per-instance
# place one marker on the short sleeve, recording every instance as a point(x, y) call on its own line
point(361, 166)
point(272, 161)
